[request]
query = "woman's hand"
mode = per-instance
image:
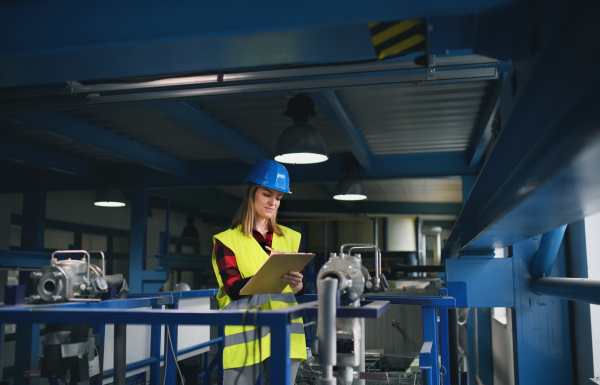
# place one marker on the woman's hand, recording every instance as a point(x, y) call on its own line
point(294, 280)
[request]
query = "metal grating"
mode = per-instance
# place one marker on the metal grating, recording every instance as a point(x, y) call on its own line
point(55, 143)
point(144, 126)
point(417, 118)
point(261, 120)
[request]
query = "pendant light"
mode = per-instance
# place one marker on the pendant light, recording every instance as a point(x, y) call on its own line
point(301, 143)
point(109, 197)
point(350, 188)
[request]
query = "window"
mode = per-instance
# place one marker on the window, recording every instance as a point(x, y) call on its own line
point(499, 313)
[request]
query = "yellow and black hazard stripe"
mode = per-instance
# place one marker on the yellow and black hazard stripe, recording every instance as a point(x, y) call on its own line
point(396, 37)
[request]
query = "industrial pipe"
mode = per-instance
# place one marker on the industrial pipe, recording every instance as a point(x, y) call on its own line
point(574, 289)
point(546, 255)
point(327, 302)
point(120, 362)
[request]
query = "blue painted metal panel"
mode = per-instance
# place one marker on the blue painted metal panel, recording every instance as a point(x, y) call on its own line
point(196, 120)
point(333, 106)
point(467, 185)
point(546, 255)
point(542, 171)
point(137, 238)
point(70, 127)
point(489, 282)
point(43, 158)
point(170, 36)
point(541, 324)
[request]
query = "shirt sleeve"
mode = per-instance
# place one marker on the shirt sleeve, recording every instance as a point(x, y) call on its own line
point(229, 271)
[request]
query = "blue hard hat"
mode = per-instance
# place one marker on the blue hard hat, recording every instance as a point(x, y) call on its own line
point(271, 174)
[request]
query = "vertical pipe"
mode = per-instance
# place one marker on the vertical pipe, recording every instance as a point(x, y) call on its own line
point(375, 232)
point(325, 242)
point(453, 345)
point(438, 249)
point(476, 344)
point(120, 345)
point(327, 290)
point(385, 234)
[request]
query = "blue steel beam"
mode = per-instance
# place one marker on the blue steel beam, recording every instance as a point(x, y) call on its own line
point(542, 171)
point(232, 173)
point(333, 106)
point(39, 157)
point(483, 130)
point(75, 129)
point(165, 38)
point(199, 122)
point(371, 207)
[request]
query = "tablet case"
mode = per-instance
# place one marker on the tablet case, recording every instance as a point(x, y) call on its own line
point(267, 279)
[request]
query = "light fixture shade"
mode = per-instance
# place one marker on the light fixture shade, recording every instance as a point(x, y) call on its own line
point(111, 197)
point(190, 230)
point(349, 189)
point(301, 143)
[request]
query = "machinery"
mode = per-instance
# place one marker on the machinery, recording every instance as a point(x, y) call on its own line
point(73, 280)
point(342, 341)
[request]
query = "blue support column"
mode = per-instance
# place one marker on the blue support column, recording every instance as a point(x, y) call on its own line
point(137, 240)
point(430, 330)
point(546, 255)
point(155, 350)
point(99, 329)
point(171, 352)
point(34, 221)
point(467, 186)
point(280, 352)
point(445, 345)
point(541, 336)
point(32, 239)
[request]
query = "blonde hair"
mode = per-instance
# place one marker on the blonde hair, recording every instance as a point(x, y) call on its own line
point(246, 214)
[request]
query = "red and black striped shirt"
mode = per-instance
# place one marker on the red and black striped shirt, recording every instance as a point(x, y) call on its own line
point(228, 268)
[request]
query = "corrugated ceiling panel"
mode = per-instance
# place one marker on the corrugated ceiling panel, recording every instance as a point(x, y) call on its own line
point(417, 118)
point(447, 190)
point(55, 143)
point(150, 129)
point(415, 190)
point(261, 119)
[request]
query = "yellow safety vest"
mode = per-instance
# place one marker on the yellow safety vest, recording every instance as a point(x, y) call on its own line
point(241, 345)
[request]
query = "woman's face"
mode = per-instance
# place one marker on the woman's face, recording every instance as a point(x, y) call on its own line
point(266, 202)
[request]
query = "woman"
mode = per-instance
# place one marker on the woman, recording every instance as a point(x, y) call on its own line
point(237, 255)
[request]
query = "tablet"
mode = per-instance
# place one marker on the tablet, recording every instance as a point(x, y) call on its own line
point(267, 279)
